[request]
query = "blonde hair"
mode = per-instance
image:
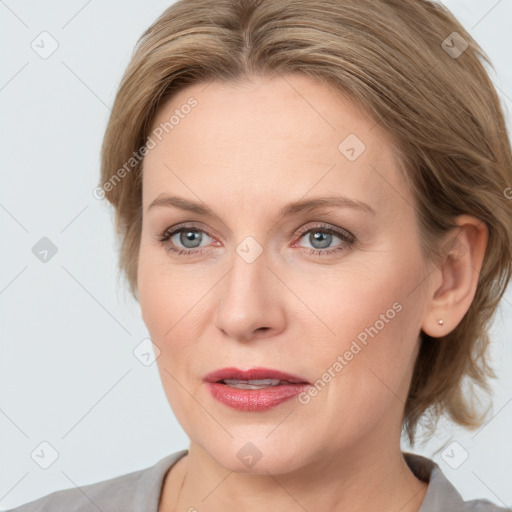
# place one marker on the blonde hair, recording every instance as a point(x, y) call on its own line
point(413, 68)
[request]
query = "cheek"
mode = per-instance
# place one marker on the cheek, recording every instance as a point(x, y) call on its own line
point(165, 291)
point(172, 301)
point(168, 305)
point(363, 367)
point(361, 294)
point(371, 318)
point(159, 304)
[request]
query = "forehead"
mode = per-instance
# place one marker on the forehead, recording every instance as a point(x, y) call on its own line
point(290, 130)
point(292, 107)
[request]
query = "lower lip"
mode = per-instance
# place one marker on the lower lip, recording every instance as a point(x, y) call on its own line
point(254, 399)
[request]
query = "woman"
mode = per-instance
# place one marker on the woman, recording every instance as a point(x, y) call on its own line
point(311, 198)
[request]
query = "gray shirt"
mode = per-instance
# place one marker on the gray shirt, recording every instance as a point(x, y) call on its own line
point(139, 491)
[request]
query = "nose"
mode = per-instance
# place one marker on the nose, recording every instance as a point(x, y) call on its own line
point(250, 301)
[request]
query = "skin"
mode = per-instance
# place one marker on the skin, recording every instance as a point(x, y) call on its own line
point(245, 151)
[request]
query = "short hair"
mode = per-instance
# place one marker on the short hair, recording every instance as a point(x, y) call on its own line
point(408, 64)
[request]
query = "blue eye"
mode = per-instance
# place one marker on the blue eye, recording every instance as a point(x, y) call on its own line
point(188, 239)
point(321, 238)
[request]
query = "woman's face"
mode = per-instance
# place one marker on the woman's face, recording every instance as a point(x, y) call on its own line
point(334, 294)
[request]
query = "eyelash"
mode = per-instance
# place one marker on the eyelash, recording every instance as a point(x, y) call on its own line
point(346, 238)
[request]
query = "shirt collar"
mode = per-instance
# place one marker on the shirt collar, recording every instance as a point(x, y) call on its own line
point(441, 494)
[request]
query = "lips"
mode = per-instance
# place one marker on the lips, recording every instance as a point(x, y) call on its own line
point(253, 374)
point(254, 390)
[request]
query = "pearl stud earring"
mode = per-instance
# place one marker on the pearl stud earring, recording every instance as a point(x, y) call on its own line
point(440, 322)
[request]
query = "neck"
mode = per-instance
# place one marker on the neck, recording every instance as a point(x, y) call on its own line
point(368, 480)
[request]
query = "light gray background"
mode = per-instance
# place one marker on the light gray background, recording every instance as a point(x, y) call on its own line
point(68, 373)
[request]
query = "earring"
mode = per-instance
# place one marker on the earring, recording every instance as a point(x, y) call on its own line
point(440, 322)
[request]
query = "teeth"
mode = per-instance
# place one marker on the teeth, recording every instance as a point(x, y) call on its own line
point(252, 384)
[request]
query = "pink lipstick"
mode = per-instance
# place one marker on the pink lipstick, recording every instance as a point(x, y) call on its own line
point(257, 389)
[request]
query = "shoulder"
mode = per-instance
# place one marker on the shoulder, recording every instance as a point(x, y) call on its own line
point(483, 506)
point(139, 490)
point(99, 496)
point(441, 494)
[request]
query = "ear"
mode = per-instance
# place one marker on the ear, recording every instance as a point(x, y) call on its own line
point(454, 283)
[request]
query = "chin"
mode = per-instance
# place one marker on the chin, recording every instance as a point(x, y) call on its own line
point(262, 455)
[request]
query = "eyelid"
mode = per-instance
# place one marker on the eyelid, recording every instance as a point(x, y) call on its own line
point(304, 229)
point(345, 236)
point(171, 231)
point(321, 226)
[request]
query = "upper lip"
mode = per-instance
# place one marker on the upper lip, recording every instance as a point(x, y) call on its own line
point(252, 374)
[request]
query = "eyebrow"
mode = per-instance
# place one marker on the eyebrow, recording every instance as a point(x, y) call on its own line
point(304, 205)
